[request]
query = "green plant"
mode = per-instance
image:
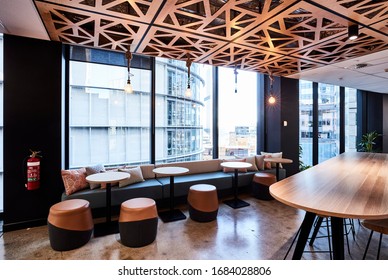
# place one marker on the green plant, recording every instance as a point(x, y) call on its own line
point(302, 166)
point(368, 141)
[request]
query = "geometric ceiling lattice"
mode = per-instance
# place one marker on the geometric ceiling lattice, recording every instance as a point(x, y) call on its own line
point(269, 36)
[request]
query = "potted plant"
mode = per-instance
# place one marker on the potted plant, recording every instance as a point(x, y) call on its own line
point(368, 141)
point(302, 166)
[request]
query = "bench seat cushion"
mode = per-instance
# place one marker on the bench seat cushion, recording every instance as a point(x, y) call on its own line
point(150, 188)
point(183, 183)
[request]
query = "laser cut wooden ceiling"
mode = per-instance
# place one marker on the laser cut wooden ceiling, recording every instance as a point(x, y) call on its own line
point(269, 36)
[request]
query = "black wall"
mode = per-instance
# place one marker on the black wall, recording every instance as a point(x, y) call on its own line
point(370, 115)
point(32, 120)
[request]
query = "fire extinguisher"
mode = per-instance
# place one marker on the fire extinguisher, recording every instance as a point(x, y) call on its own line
point(33, 171)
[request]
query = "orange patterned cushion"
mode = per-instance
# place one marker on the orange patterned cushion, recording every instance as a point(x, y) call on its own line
point(267, 165)
point(74, 180)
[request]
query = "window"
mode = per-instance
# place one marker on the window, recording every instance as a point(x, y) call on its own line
point(108, 125)
point(237, 113)
point(183, 124)
point(306, 122)
point(1, 124)
point(328, 121)
point(350, 120)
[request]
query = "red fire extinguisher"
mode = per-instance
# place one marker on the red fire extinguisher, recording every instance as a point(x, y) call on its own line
point(33, 171)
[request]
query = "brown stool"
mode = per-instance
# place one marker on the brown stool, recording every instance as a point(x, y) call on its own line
point(138, 222)
point(70, 224)
point(260, 185)
point(203, 202)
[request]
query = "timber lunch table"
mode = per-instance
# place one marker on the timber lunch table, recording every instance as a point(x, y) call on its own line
point(108, 178)
point(172, 214)
point(236, 165)
point(351, 185)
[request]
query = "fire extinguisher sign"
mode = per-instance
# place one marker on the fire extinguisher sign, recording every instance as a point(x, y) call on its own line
point(33, 171)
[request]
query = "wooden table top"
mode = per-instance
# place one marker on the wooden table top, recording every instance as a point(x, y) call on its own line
point(278, 160)
point(170, 170)
point(107, 177)
point(236, 164)
point(351, 185)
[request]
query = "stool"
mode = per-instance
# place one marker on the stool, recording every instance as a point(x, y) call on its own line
point(261, 183)
point(203, 202)
point(138, 222)
point(70, 224)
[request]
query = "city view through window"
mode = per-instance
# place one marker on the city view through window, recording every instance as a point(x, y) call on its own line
point(328, 121)
point(112, 127)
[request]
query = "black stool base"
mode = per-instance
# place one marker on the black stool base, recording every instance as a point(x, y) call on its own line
point(261, 192)
point(200, 216)
point(138, 233)
point(65, 240)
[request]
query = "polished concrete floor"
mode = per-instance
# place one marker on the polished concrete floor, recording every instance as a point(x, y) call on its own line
point(264, 230)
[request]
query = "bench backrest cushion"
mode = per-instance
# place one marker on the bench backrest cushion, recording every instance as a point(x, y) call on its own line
point(195, 167)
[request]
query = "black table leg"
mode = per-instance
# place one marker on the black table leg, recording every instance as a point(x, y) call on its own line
point(107, 227)
point(337, 237)
point(235, 202)
point(172, 214)
point(303, 235)
point(277, 171)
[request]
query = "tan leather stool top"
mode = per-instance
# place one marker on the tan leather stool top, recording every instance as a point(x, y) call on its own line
point(72, 214)
point(137, 209)
point(376, 225)
point(266, 179)
point(203, 197)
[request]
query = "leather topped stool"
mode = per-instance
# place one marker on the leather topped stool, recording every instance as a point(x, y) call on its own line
point(138, 222)
point(70, 224)
point(203, 202)
point(260, 185)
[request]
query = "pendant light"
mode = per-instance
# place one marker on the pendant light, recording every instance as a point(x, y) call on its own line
point(128, 87)
point(188, 65)
point(271, 98)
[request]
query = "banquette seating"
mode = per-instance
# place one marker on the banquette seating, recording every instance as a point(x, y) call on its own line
point(144, 183)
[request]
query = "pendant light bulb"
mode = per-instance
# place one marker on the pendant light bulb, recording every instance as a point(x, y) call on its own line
point(128, 87)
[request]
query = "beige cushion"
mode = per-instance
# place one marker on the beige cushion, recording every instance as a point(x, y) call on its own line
point(274, 155)
point(93, 169)
point(259, 162)
point(136, 176)
point(252, 160)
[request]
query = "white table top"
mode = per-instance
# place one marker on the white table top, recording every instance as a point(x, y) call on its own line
point(170, 170)
point(107, 177)
point(351, 185)
point(236, 164)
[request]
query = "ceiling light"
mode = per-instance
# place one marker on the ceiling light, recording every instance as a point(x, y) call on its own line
point(128, 87)
point(353, 32)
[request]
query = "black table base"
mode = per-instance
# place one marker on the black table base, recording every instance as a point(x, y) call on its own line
point(172, 215)
point(106, 228)
point(236, 203)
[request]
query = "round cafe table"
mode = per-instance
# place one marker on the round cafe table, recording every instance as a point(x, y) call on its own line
point(236, 165)
point(278, 161)
point(107, 178)
point(172, 214)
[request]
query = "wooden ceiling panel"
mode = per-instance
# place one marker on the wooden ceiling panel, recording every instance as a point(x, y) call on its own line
point(172, 44)
point(283, 37)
